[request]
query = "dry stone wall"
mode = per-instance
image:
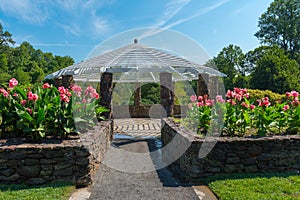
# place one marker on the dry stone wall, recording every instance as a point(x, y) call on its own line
point(75, 159)
point(234, 155)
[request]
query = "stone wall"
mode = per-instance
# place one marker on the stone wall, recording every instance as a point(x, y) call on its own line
point(233, 155)
point(74, 159)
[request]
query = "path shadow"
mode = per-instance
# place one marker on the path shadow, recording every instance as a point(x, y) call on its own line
point(154, 144)
point(166, 176)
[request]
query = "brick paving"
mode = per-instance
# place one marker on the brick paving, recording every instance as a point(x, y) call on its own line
point(138, 127)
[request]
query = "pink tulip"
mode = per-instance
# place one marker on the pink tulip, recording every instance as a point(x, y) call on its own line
point(193, 98)
point(35, 97)
point(68, 93)
point(245, 105)
point(5, 93)
point(244, 90)
point(46, 86)
point(238, 97)
point(77, 90)
point(64, 98)
point(29, 96)
point(237, 90)
point(295, 102)
point(23, 102)
point(15, 95)
point(95, 95)
point(232, 102)
point(288, 94)
point(229, 94)
point(294, 93)
point(286, 107)
point(61, 89)
point(13, 82)
point(246, 95)
point(200, 98)
point(252, 107)
point(199, 104)
point(220, 99)
point(29, 110)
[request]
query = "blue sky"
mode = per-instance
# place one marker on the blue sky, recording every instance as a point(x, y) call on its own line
point(76, 27)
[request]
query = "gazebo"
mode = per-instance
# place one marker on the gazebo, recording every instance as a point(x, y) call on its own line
point(136, 63)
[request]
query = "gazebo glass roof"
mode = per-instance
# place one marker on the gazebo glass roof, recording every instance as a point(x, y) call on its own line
point(135, 63)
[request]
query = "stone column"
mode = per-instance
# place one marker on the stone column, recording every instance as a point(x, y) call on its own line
point(137, 94)
point(67, 81)
point(202, 84)
point(213, 87)
point(106, 92)
point(166, 93)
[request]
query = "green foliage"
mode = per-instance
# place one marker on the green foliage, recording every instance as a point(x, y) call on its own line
point(5, 37)
point(276, 72)
point(150, 93)
point(230, 61)
point(25, 63)
point(279, 25)
point(257, 187)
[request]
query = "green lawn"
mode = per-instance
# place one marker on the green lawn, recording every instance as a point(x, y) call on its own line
point(59, 191)
point(257, 187)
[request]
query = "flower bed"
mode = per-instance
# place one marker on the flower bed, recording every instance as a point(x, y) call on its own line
point(39, 112)
point(240, 115)
point(230, 155)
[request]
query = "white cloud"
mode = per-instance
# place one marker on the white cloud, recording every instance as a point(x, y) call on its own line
point(172, 8)
point(236, 12)
point(58, 44)
point(71, 28)
point(34, 12)
point(199, 12)
point(100, 26)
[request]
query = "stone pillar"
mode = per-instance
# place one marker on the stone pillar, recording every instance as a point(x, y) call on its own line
point(106, 92)
point(67, 81)
point(202, 84)
point(213, 87)
point(137, 94)
point(166, 93)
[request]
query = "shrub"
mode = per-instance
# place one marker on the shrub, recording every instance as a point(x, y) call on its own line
point(260, 94)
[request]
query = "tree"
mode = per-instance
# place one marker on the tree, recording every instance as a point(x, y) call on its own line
point(280, 25)
point(253, 56)
point(275, 71)
point(5, 37)
point(230, 61)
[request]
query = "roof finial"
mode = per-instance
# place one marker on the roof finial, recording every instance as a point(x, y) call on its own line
point(135, 41)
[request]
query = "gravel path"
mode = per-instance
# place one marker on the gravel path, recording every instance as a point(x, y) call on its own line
point(159, 184)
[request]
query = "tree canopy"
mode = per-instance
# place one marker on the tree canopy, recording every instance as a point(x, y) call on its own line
point(280, 25)
point(230, 61)
point(27, 64)
point(276, 72)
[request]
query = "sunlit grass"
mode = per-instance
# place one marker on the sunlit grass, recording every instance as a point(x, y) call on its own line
point(59, 191)
point(279, 187)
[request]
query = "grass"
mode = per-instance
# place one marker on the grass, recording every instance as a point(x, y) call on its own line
point(284, 186)
point(58, 191)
